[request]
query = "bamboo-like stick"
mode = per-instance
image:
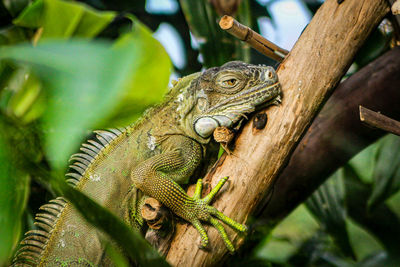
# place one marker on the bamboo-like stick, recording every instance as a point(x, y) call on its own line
point(379, 121)
point(255, 40)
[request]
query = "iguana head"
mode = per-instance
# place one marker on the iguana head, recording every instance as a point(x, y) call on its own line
point(221, 96)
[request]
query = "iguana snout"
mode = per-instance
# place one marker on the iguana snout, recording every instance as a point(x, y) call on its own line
point(224, 95)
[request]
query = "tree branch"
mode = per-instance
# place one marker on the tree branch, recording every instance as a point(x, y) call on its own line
point(309, 73)
point(380, 121)
point(255, 40)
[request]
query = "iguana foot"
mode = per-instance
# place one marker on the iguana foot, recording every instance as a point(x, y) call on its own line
point(208, 213)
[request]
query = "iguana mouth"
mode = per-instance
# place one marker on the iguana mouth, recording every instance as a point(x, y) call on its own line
point(234, 108)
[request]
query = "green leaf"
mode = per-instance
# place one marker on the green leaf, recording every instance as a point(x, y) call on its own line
point(31, 16)
point(288, 236)
point(375, 259)
point(61, 19)
point(382, 222)
point(387, 171)
point(25, 100)
point(147, 85)
point(86, 82)
point(118, 259)
point(364, 162)
point(216, 46)
point(15, 6)
point(14, 187)
point(81, 87)
point(327, 204)
point(12, 35)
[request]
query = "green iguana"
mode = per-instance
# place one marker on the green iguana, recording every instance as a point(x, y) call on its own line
point(153, 156)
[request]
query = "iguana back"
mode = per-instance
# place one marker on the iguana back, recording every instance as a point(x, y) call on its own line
point(101, 170)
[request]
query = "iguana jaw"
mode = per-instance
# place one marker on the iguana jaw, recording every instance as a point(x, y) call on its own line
point(234, 109)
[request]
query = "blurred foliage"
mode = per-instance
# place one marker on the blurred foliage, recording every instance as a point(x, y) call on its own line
point(56, 84)
point(216, 46)
point(14, 189)
point(327, 205)
point(66, 68)
point(337, 225)
point(386, 176)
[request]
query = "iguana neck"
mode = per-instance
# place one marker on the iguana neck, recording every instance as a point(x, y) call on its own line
point(173, 116)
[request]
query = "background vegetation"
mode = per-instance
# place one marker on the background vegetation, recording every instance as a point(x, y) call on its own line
point(68, 67)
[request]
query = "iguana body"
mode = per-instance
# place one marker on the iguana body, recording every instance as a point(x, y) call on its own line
point(154, 156)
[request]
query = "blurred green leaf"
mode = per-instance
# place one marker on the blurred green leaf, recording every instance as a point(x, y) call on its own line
point(147, 85)
point(382, 222)
point(12, 35)
point(15, 6)
point(375, 259)
point(86, 82)
point(31, 16)
point(287, 237)
point(25, 97)
point(394, 203)
point(14, 188)
point(364, 162)
point(6, 73)
point(362, 240)
point(81, 86)
point(61, 19)
point(118, 259)
point(387, 171)
point(216, 46)
point(327, 204)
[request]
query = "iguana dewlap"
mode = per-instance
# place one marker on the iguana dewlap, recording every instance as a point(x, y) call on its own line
point(153, 156)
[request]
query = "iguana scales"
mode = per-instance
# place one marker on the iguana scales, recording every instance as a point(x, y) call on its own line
point(153, 156)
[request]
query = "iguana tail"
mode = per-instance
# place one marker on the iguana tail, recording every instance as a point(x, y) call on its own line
point(34, 246)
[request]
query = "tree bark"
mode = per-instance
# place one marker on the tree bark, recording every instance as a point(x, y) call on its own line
point(309, 73)
point(337, 133)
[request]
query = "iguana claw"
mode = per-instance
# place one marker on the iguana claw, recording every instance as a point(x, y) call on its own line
point(213, 215)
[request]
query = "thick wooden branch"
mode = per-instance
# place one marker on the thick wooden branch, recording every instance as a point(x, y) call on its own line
point(337, 133)
point(309, 73)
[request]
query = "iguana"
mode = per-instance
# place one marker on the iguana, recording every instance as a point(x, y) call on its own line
point(153, 156)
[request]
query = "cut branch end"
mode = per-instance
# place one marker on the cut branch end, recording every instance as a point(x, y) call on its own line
point(380, 121)
point(255, 40)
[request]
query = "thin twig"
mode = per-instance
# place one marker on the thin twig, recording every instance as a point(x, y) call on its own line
point(379, 121)
point(255, 40)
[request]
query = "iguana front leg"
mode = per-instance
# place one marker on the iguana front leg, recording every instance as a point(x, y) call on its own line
point(157, 178)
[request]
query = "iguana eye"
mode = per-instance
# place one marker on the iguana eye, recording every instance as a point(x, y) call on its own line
point(229, 83)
